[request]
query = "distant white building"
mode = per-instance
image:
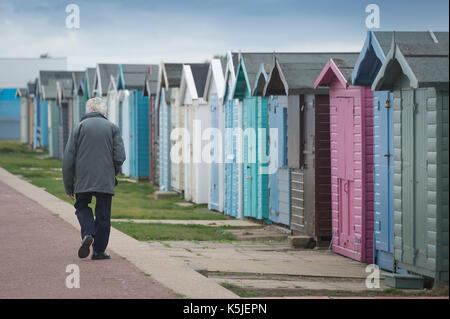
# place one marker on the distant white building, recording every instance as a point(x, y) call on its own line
point(16, 72)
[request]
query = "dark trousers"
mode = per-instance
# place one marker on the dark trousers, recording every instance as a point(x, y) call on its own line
point(100, 227)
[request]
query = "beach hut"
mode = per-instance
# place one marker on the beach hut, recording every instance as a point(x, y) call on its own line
point(416, 71)
point(351, 143)
point(22, 94)
point(10, 115)
point(15, 73)
point(308, 142)
point(168, 87)
point(213, 99)
point(280, 178)
point(64, 101)
point(150, 90)
point(371, 58)
point(177, 122)
point(40, 116)
point(231, 186)
point(255, 197)
point(278, 172)
point(79, 105)
point(196, 112)
point(47, 112)
point(130, 82)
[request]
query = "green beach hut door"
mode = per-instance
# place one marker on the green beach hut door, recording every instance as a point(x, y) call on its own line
point(414, 188)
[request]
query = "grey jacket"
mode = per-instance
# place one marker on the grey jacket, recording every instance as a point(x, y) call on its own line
point(93, 156)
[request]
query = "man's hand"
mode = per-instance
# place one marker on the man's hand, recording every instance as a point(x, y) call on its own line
point(70, 196)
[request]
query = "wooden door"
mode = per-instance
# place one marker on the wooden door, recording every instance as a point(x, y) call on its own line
point(383, 180)
point(345, 137)
point(214, 192)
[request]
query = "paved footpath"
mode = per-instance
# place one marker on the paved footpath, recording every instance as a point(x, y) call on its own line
point(39, 237)
point(36, 247)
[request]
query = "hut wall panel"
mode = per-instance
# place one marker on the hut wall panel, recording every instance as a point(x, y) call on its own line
point(164, 143)
point(284, 206)
point(202, 170)
point(189, 182)
point(142, 136)
point(293, 133)
point(24, 120)
point(215, 180)
point(443, 184)
point(125, 130)
point(322, 168)
point(262, 164)
point(30, 122)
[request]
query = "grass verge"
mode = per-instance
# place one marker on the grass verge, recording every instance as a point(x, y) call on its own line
point(159, 231)
point(132, 200)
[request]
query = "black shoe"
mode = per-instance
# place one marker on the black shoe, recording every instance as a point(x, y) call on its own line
point(85, 248)
point(98, 256)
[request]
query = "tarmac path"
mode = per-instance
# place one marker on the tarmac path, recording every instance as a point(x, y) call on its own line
point(36, 246)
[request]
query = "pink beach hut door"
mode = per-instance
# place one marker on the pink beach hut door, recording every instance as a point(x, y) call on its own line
point(345, 167)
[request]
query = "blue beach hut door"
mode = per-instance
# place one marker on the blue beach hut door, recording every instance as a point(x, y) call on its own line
point(383, 180)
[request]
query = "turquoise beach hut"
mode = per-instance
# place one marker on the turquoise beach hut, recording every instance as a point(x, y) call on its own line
point(130, 82)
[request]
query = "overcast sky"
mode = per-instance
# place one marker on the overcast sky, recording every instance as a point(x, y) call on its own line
point(194, 30)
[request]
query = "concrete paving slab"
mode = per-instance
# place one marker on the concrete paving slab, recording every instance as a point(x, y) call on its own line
point(262, 258)
point(353, 286)
point(170, 272)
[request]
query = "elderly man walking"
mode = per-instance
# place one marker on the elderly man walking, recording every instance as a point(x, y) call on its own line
point(93, 156)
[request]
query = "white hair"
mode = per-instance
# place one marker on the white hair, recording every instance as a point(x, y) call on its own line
point(96, 104)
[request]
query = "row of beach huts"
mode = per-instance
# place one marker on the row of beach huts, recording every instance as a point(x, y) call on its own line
point(359, 141)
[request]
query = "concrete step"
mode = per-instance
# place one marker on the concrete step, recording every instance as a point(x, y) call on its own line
point(164, 194)
point(403, 281)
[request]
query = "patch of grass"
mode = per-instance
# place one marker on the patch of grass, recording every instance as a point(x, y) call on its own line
point(239, 290)
point(298, 291)
point(132, 200)
point(159, 231)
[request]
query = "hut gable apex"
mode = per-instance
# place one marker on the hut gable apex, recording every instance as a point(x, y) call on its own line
point(215, 77)
point(261, 79)
point(187, 86)
point(169, 77)
point(151, 80)
point(421, 56)
point(329, 74)
point(276, 83)
point(230, 70)
point(242, 86)
point(120, 83)
point(370, 59)
point(97, 88)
